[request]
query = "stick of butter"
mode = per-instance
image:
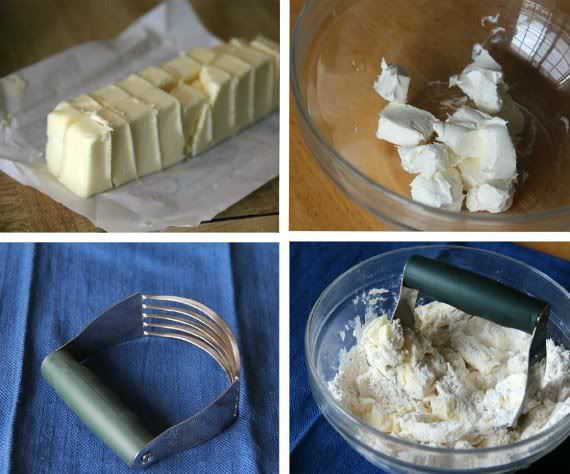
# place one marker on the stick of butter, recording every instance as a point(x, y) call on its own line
point(152, 119)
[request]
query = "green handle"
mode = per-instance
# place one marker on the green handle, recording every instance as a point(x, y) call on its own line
point(97, 406)
point(473, 293)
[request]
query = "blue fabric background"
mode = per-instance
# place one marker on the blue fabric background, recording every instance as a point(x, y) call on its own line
point(49, 292)
point(315, 445)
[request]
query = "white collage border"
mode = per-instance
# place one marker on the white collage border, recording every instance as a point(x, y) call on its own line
point(285, 237)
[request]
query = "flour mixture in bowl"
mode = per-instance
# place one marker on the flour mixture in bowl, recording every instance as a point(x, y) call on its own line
point(453, 381)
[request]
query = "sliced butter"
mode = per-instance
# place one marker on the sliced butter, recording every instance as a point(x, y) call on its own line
point(110, 95)
point(196, 117)
point(203, 55)
point(86, 164)
point(159, 78)
point(270, 47)
point(242, 74)
point(123, 166)
point(169, 122)
point(183, 68)
point(263, 71)
point(220, 90)
point(143, 123)
point(58, 122)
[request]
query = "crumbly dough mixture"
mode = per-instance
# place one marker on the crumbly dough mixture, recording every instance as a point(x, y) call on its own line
point(452, 381)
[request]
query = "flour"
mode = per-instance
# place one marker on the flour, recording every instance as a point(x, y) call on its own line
point(454, 381)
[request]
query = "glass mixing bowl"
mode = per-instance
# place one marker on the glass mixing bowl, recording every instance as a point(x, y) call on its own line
point(336, 308)
point(336, 52)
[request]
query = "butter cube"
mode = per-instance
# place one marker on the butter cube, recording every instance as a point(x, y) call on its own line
point(143, 122)
point(264, 74)
point(204, 136)
point(167, 110)
point(86, 104)
point(123, 166)
point(144, 128)
point(86, 164)
point(183, 68)
point(203, 55)
point(242, 76)
point(270, 47)
point(123, 162)
point(221, 94)
point(58, 121)
point(159, 78)
point(110, 95)
point(196, 117)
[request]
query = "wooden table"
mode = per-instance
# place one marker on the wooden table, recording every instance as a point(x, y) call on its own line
point(32, 30)
point(557, 249)
point(315, 201)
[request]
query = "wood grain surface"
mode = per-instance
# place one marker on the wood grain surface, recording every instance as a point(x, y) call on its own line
point(315, 202)
point(558, 249)
point(31, 30)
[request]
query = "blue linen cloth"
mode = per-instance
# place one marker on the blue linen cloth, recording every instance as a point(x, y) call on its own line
point(49, 292)
point(314, 445)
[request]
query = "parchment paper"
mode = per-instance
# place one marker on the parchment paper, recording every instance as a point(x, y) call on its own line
point(184, 195)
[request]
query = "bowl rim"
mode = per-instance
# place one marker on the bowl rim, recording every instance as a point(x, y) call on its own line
point(454, 217)
point(405, 443)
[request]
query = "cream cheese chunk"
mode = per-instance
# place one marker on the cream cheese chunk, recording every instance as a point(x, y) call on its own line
point(58, 122)
point(426, 159)
point(405, 125)
point(196, 118)
point(86, 164)
point(272, 48)
point(221, 94)
point(494, 196)
point(160, 78)
point(473, 149)
point(123, 166)
point(393, 83)
point(442, 190)
point(480, 81)
point(169, 121)
point(263, 71)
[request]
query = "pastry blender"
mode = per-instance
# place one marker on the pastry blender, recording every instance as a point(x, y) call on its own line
point(481, 296)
